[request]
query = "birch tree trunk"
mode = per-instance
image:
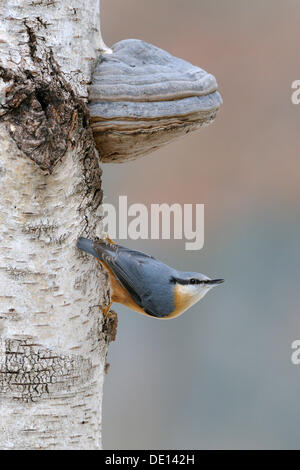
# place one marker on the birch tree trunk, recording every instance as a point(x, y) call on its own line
point(53, 339)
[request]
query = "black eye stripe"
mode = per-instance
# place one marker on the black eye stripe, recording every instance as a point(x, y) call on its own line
point(185, 282)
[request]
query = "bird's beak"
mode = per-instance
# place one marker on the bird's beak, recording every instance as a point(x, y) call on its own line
point(213, 282)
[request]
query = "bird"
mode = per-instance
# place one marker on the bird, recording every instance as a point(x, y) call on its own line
point(144, 284)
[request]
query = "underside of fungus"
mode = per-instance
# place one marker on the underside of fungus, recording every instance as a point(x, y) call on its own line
point(142, 97)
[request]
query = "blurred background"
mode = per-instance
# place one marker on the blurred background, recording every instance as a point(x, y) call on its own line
point(220, 376)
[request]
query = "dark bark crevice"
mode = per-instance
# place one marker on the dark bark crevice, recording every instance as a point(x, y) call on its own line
point(31, 372)
point(42, 113)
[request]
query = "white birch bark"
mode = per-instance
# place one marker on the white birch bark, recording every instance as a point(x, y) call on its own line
point(53, 339)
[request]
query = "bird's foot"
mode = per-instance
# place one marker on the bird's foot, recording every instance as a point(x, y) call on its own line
point(106, 309)
point(109, 240)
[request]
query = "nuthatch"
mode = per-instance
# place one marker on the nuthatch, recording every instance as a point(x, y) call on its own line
point(145, 284)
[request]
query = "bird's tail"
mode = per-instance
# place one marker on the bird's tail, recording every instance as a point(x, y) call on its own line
point(99, 249)
point(87, 245)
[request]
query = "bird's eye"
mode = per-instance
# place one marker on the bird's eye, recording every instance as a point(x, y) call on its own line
point(193, 281)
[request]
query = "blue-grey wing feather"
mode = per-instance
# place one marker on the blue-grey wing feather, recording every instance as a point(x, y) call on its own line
point(146, 279)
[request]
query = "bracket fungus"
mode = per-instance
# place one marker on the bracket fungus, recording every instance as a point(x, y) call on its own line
point(142, 97)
